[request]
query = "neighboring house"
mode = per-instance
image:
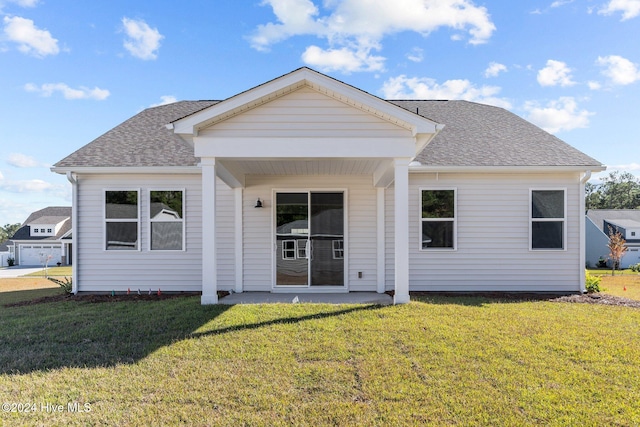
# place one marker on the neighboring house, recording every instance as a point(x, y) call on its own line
point(601, 223)
point(307, 184)
point(4, 253)
point(45, 237)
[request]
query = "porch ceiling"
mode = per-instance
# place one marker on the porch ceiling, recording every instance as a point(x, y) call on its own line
point(304, 166)
point(233, 171)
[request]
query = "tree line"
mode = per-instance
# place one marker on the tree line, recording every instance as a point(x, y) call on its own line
point(620, 190)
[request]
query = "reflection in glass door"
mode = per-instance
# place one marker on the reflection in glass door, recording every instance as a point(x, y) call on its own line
point(310, 252)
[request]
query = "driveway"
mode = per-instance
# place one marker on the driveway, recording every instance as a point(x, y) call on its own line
point(17, 271)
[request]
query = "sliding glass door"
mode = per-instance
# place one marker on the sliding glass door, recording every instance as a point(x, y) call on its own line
point(310, 246)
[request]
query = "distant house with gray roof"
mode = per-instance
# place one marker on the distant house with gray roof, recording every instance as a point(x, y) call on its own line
point(44, 238)
point(601, 224)
point(431, 195)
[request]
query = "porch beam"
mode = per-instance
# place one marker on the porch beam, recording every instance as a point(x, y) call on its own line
point(229, 175)
point(401, 230)
point(383, 175)
point(209, 259)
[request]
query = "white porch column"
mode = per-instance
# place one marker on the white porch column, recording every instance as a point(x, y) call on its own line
point(381, 241)
point(209, 260)
point(238, 238)
point(401, 192)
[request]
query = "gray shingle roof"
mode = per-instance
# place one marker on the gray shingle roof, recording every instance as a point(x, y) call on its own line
point(474, 135)
point(57, 212)
point(143, 140)
point(483, 135)
point(598, 216)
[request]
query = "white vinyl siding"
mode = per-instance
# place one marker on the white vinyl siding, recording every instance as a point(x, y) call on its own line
point(104, 271)
point(492, 236)
point(305, 113)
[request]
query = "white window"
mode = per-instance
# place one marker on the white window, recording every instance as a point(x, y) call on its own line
point(338, 249)
point(288, 249)
point(633, 233)
point(438, 219)
point(166, 214)
point(301, 246)
point(121, 213)
point(548, 219)
point(35, 230)
point(49, 230)
point(42, 230)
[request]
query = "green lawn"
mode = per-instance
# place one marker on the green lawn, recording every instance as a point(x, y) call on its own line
point(437, 360)
point(52, 271)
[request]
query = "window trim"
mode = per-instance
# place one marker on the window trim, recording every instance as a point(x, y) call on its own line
point(454, 219)
point(563, 220)
point(106, 220)
point(293, 250)
point(338, 253)
point(182, 220)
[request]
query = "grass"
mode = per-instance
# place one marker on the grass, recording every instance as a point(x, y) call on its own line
point(627, 286)
point(52, 271)
point(13, 290)
point(607, 272)
point(435, 361)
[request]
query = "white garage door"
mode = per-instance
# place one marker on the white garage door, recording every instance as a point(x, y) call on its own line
point(37, 254)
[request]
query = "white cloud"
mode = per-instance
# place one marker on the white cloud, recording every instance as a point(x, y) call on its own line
point(403, 87)
point(562, 114)
point(559, 3)
point(630, 167)
point(494, 69)
point(357, 27)
point(629, 8)
point(593, 85)
point(416, 55)
point(27, 186)
point(143, 41)
point(23, 161)
point(30, 39)
point(343, 59)
point(164, 100)
point(619, 70)
point(554, 74)
point(49, 89)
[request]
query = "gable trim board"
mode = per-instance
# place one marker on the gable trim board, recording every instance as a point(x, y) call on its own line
point(308, 132)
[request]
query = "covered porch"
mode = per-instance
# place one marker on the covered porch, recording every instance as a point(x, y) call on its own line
point(312, 137)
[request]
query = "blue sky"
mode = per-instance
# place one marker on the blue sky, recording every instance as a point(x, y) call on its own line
point(70, 71)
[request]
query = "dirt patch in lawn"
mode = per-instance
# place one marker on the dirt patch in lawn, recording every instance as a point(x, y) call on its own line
point(604, 299)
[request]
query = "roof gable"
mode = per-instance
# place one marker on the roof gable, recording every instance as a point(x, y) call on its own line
point(301, 78)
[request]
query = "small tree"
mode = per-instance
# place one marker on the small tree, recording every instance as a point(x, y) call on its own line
point(617, 248)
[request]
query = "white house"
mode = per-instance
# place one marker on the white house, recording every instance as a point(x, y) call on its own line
point(44, 238)
point(307, 184)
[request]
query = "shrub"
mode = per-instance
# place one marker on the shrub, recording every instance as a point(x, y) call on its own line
point(11, 262)
point(66, 284)
point(592, 283)
point(635, 268)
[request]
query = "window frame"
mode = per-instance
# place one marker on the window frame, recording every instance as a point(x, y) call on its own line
point(563, 219)
point(293, 250)
point(182, 220)
point(338, 252)
point(421, 220)
point(106, 220)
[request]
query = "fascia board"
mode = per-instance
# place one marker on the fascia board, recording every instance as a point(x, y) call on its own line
point(128, 170)
point(505, 169)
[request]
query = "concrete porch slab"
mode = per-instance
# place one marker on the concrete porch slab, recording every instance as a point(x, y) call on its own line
point(307, 298)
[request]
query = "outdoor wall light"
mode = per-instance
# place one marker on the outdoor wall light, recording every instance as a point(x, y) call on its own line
point(258, 203)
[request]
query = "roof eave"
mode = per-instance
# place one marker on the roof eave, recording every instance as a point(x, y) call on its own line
point(127, 169)
point(504, 169)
